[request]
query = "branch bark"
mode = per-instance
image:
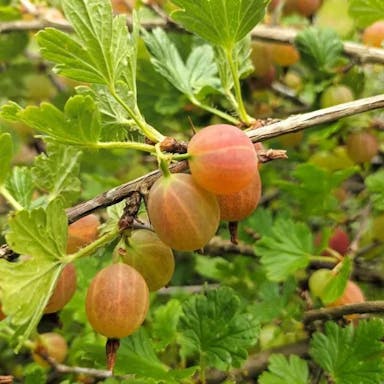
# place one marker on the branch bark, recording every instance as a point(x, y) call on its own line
point(359, 52)
point(338, 312)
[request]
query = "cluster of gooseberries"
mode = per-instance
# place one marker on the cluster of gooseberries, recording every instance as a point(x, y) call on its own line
point(184, 211)
point(224, 184)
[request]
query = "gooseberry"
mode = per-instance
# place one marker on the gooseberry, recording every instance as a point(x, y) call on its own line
point(222, 159)
point(238, 206)
point(373, 35)
point(336, 94)
point(82, 232)
point(117, 301)
point(64, 290)
point(52, 345)
point(362, 147)
point(184, 215)
point(145, 252)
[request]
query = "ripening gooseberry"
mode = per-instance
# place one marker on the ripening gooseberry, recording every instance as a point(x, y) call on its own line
point(117, 301)
point(318, 281)
point(362, 147)
point(52, 345)
point(351, 295)
point(222, 159)
point(237, 206)
point(336, 94)
point(64, 290)
point(184, 215)
point(82, 232)
point(339, 241)
point(284, 54)
point(373, 35)
point(145, 252)
point(303, 7)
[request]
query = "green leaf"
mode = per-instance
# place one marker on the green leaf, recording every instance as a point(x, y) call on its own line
point(319, 48)
point(34, 373)
point(6, 153)
point(40, 237)
point(276, 300)
point(115, 124)
point(39, 233)
point(336, 286)
point(26, 288)
point(165, 323)
point(20, 186)
point(98, 52)
point(58, 172)
point(198, 72)
point(353, 354)
point(284, 370)
point(215, 326)
point(221, 22)
point(315, 184)
point(375, 186)
point(365, 12)
point(79, 124)
point(286, 250)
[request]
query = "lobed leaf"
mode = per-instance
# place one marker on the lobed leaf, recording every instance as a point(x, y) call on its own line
point(165, 323)
point(98, 52)
point(57, 172)
point(40, 236)
point(315, 184)
point(79, 124)
point(365, 12)
point(285, 370)
point(215, 326)
point(353, 354)
point(189, 78)
point(221, 22)
point(319, 48)
point(286, 250)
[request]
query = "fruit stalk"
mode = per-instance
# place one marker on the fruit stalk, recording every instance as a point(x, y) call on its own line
point(111, 347)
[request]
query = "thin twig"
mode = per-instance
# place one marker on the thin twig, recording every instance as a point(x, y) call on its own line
point(186, 289)
point(358, 52)
point(340, 311)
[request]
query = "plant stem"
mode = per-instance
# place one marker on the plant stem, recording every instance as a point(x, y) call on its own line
point(324, 259)
point(181, 156)
point(202, 369)
point(150, 132)
point(163, 161)
point(236, 83)
point(91, 248)
point(11, 200)
point(215, 111)
point(126, 145)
